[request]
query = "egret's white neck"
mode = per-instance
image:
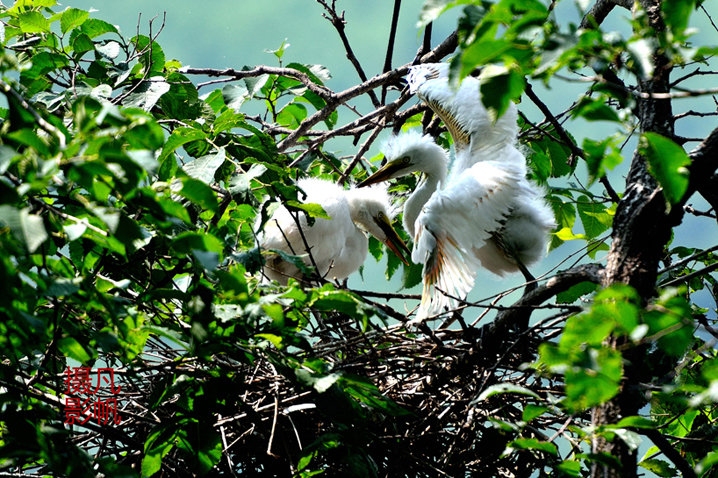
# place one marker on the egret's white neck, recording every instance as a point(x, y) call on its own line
point(434, 178)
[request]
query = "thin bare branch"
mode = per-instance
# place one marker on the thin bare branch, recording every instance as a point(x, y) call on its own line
point(320, 90)
point(339, 23)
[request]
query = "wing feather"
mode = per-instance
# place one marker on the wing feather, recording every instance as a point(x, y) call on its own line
point(456, 222)
point(474, 129)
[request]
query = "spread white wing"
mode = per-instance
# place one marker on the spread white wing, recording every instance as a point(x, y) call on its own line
point(456, 222)
point(470, 124)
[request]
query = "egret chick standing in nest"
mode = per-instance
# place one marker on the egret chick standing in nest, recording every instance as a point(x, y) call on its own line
point(486, 213)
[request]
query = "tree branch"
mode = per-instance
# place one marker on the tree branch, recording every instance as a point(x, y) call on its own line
point(446, 47)
point(339, 24)
point(390, 45)
point(320, 90)
point(575, 150)
point(703, 176)
point(600, 10)
point(667, 449)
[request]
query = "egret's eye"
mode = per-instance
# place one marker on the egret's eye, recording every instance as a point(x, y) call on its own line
point(381, 216)
point(405, 160)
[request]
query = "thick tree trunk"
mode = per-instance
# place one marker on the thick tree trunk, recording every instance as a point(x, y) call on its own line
point(642, 227)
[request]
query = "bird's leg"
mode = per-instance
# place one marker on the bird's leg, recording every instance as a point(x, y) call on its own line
point(530, 279)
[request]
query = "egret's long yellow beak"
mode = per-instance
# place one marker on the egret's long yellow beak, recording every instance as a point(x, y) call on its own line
point(383, 173)
point(393, 241)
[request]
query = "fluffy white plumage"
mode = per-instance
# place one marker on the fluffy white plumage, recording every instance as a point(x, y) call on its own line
point(338, 245)
point(486, 213)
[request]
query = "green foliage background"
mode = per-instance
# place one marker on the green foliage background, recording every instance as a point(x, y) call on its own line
point(129, 208)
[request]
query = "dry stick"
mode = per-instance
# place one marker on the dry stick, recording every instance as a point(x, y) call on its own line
point(696, 72)
point(688, 259)
point(426, 42)
point(364, 148)
point(489, 343)
point(300, 76)
point(339, 23)
point(690, 276)
point(575, 150)
point(694, 113)
point(363, 124)
point(390, 45)
point(447, 46)
point(377, 129)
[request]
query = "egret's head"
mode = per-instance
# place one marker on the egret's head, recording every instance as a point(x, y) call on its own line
point(371, 210)
point(420, 74)
point(408, 152)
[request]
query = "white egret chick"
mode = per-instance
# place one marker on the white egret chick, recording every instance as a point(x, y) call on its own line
point(338, 246)
point(486, 213)
point(489, 215)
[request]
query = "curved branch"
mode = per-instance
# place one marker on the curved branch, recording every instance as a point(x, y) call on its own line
point(446, 47)
point(703, 170)
point(600, 10)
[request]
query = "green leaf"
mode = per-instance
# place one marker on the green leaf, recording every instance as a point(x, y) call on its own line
point(234, 96)
point(598, 160)
point(570, 468)
point(532, 411)
point(179, 137)
point(82, 43)
point(480, 53)
point(313, 210)
point(110, 50)
point(93, 27)
point(671, 321)
point(152, 58)
point(594, 217)
point(62, 287)
point(292, 115)
point(147, 94)
point(70, 347)
point(500, 86)
point(412, 275)
point(534, 444)
point(27, 228)
point(431, 10)
point(279, 52)
point(33, 22)
point(659, 467)
point(676, 14)
point(336, 300)
point(72, 18)
point(595, 383)
point(636, 422)
point(502, 388)
point(585, 329)
point(199, 193)
point(595, 109)
point(668, 163)
point(204, 168)
point(189, 241)
point(575, 292)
